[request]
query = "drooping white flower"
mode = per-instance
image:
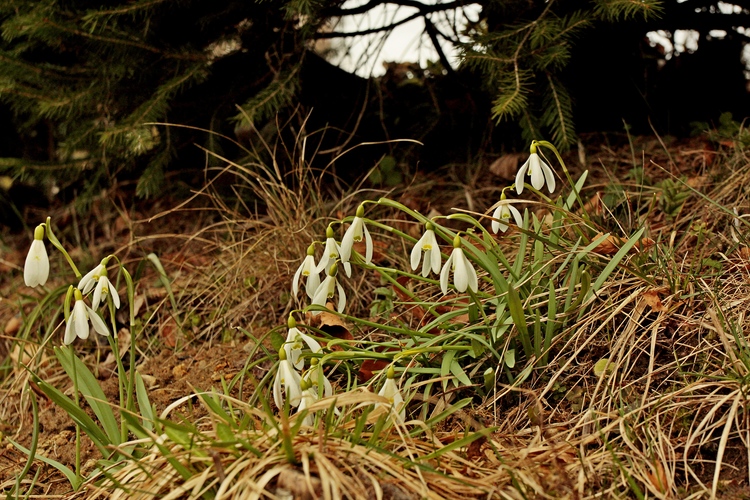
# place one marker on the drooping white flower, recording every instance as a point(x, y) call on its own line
point(503, 213)
point(391, 392)
point(287, 377)
point(316, 375)
point(328, 289)
point(308, 397)
point(91, 278)
point(428, 245)
point(36, 267)
point(78, 321)
point(354, 235)
point(295, 341)
point(539, 171)
point(309, 270)
point(103, 288)
point(332, 252)
point(464, 274)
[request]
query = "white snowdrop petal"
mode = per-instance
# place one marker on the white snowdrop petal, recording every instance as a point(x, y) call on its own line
point(444, 274)
point(549, 176)
point(115, 295)
point(97, 322)
point(368, 244)
point(81, 324)
point(416, 253)
point(516, 215)
point(70, 332)
point(521, 175)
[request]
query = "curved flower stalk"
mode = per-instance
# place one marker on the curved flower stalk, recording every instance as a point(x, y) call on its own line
point(78, 321)
point(354, 235)
point(332, 252)
point(287, 377)
point(464, 275)
point(295, 341)
point(36, 267)
point(428, 246)
point(391, 392)
point(538, 170)
point(328, 289)
point(104, 287)
point(503, 213)
point(309, 270)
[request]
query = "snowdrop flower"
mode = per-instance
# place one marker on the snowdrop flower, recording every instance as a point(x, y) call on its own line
point(36, 268)
point(307, 398)
point(428, 245)
point(310, 271)
point(98, 277)
point(78, 321)
point(316, 375)
point(287, 376)
point(539, 171)
point(332, 252)
point(354, 235)
point(327, 290)
point(391, 392)
point(103, 288)
point(502, 215)
point(294, 343)
point(464, 274)
point(91, 278)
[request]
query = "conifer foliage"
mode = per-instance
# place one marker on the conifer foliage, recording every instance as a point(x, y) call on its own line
point(92, 80)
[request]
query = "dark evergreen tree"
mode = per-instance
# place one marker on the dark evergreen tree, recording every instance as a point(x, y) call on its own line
point(89, 84)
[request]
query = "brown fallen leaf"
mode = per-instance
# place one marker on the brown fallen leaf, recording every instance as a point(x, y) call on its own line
point(506, 166)
point(595, 205)
point(609, 246)
point(12, 326)
point(330, 323)
point(378, 250)
point(652, 299)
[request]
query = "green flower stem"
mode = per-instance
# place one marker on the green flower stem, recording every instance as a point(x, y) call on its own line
point(78, 427)
point(372, 324)
point(56, 243)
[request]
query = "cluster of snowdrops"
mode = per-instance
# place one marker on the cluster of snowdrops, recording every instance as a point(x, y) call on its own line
point(294, 385)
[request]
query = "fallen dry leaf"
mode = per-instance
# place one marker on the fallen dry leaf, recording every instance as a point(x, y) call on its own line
point(330, 323)
point(506, 166)
point(13, 325)
point(378, 250)
point(653, 300)
point(595, 206)
point(612, 244)
point(609, 246)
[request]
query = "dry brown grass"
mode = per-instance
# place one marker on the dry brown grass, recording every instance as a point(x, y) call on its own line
point(668, 419)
